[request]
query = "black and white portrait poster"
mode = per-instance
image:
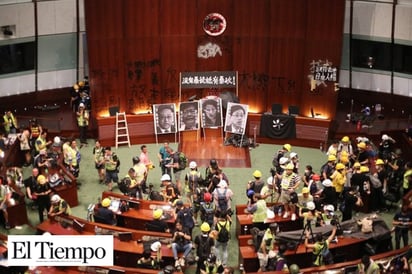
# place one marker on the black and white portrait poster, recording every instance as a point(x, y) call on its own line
point(189, 116)
point(236, 117)
point(211, 112)
point(164, 118)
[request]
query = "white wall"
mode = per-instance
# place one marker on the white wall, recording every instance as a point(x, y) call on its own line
point(54, 18)
point(372, 20)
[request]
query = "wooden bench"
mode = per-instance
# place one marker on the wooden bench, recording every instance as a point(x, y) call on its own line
point(138, 218)
point(244, 221)
point(126, 253)
point(351, 247)
point(18, 214)
point(383, 258)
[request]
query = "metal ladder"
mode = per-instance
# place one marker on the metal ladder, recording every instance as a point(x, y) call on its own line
point(122, 131)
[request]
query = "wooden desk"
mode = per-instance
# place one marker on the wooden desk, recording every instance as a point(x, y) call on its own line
point(245, 219)
point(137, 218)
point(18, 214)
point(351, 248)
point(383, 258)
point(67, 191)
point(125, 253)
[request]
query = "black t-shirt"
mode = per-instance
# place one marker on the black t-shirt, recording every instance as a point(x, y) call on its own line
point(180, 240)
point(106, 215)
point(362, 156)
point(350, 200)
point(30, 182)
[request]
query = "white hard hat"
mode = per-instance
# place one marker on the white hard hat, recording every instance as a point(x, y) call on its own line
point(222, 184)
point(165, 177)
point(329, 208)
point(55, 198)
point(192, 165)
point(81, 105)
point(283, 160)
point(155, 246)
point(57, 139)
point(270, 180)
point(327, 183)
point(310, 205)
point(293, 155)
point(385, 137)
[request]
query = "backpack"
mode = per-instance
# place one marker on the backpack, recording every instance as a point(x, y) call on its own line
point(182, 161)
point(124, 185)
point(223, 236)
point(204, 248)
point(185, 215)
point(208, 212)
point(222, 200)
point(376, 183)
point(257, 236)
point(326, 256)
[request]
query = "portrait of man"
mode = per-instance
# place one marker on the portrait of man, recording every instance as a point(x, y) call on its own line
point(211, 112)
point(164, 118)
point(189, 116)
point(236, 117)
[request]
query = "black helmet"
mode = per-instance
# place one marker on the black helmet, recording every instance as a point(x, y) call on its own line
point(169, 269)
point(213, 163)
point(135, 160)
point(211, 259)
point(274, 227)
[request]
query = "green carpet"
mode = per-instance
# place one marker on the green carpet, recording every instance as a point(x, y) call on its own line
point(90, 189)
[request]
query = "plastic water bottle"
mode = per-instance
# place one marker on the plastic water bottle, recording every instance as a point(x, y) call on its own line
point(245, 230)
point(280, 211)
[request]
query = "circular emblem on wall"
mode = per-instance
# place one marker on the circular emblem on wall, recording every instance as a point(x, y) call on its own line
point(214, 24)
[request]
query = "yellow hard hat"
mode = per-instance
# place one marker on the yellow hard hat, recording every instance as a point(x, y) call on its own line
point(305, 190)
point(81, 83)
point(157, 213)
point(331, 158)
point(288, 147)
point(344, 159)
point(289, 166)
point(76, 86)
point(362, 145)
point(356, 165)
point(379, 162)
point(345, 139)
point(205, 227)
point(41, 179)
point(106, 202)
point(339, 166)
point(257, 174)
point(364, 169)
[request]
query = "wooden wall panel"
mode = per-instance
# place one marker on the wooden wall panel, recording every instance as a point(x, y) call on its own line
point(322, 44)
point(138, 48)
point(287, 43)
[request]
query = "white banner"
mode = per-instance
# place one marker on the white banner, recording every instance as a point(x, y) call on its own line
point(56, 250)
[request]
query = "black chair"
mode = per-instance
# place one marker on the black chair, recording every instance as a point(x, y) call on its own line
point(293, 110)
point(98, 219)
point(276, 109)
point(113, 110)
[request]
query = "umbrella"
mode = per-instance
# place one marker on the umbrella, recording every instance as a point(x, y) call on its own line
point(228, 96)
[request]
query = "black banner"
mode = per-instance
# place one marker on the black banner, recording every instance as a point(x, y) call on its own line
point(208, 79)
point(278, 126)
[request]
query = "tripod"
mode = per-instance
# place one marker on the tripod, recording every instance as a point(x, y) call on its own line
point(308, 227)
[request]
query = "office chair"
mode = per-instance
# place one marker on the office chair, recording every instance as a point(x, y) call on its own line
point(276, 109)
point(293, 110)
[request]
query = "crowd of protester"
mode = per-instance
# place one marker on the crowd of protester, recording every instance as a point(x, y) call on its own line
point(356, 175)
